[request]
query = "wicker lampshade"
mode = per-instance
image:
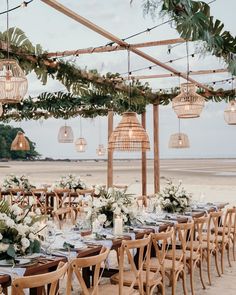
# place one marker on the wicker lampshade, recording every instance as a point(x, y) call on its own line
point(129, 135)
point(20, 143)
point(13, 83)
point(179, 141)
point(65, 135)
point(1, 110)
point(230, 113)
point(101, 151)
point(188, 104)
point(80, 144)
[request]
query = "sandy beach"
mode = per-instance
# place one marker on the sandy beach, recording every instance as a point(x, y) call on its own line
point(209, 179)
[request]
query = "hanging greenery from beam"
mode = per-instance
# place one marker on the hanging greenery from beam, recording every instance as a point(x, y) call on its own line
point(193, 22)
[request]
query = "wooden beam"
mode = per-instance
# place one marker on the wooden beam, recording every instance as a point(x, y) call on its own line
point(144, 161)
point(191, 73)
point(111, 48)
point(70, 13)
point(156, 148)
point(110, 152)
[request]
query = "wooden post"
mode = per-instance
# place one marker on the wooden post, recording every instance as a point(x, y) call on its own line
point(144, 161)
point(156, 148)
point(110, 153)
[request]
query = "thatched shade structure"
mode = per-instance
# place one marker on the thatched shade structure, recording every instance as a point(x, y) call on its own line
point(129, 135)
point(13, 83)
point(179, 141)
point(101, 151)
point(188, 104)
point(65, 135)
point(230, 113)
point(20, 143)
point(80, 144)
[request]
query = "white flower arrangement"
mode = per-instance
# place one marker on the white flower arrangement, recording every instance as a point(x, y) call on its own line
point(14, 181)
point(19, 229)
point(174, 198)
point(71, 182)
point(110, 202)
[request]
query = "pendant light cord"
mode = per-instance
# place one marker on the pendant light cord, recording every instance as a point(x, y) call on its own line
point(99, 130)
point(80, 127)
point(129, 78)
point(187, 53)
point(8, 37)
point(179, 127)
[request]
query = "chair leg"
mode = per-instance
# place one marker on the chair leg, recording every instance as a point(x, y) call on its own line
point(233, 248)
point(222, 258)
point(174, 281)
point(184, 283)
point(228, 254)
point(216, 263)
point(201, 277)
point(192, 279)
point(209, 266)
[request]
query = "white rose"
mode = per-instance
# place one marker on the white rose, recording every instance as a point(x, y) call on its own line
point(3, 247)
point(25, 243)
point(3, 216)
point(102, 218)
point(22, 229)
point(10, 222)
point(32, 237)
point(27, 220)
point(1, 236)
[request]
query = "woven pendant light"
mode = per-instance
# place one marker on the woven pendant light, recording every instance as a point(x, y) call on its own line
point(188, 104)
point(129, 135)
point(20, 143)
point(80, 144)
point(13, 83)
point(230, 113)
point(179, 141)
point(101, 151)
point(65, 135)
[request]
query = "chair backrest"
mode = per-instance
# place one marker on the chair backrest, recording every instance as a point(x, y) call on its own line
point(161, 243)
point(39, 195)
point(213, 226)
point(17, 195)
point(143, 247)
point(78, 264)
point(200, 227)
point(61, 195)
point(184, 234)
point(36, 281)
point(62, 215)
point(228, 223)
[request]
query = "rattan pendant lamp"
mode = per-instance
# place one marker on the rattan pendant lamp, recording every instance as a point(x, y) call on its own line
point(20, 143)
point(230, 111)
point(101, 150)
point(13, 83)
point(65, 134)
point(179, 140)
point(80, 143)
point(129, 135)
point(188, 104)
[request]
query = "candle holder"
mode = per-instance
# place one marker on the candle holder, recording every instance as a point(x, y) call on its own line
point(118, 225)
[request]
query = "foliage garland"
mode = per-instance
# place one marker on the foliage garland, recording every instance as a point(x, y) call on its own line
point(193, 22)
point(89, 94)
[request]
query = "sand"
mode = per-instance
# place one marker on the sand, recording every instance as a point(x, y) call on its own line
point(207, 179)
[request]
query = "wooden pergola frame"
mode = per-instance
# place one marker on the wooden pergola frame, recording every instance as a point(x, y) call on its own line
point(122, 45)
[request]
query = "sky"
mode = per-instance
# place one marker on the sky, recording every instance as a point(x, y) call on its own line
point(209, 135)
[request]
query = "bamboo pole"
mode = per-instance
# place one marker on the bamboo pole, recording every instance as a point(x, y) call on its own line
point(70, 13)
point(110, 152)
point(111, 48)
point(144, 161)
point(156, 148)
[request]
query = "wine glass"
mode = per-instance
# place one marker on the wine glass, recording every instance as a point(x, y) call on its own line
point(49, 239)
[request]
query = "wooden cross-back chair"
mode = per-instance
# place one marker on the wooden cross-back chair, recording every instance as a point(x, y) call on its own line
point(78, 264)
point(139, 275)
point(161, 243)
point(225, 235)
point(18, 196)
point(178, 255)
point(42, 280)
point(210, 242)
point(63, 197)
point(39, 195)
point(64, 215)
